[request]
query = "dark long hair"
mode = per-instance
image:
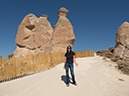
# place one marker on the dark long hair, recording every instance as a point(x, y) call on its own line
point(70, 48)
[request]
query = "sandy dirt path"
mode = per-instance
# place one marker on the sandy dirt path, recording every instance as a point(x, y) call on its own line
point(94, 77)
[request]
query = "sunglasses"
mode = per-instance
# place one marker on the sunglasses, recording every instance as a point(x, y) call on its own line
point(69, 48)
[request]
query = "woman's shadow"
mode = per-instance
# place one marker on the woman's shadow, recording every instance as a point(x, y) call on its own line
point(63, 78)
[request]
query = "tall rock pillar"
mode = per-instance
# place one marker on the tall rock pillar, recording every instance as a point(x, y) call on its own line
point(63, 32)
point(122, 41)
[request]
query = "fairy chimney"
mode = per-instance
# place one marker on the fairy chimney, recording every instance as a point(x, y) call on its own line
point(122, 41)
point(36, 36)
point(63, 32)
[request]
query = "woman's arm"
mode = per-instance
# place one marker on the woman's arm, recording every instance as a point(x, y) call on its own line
point(65, 62)
point(75, 60)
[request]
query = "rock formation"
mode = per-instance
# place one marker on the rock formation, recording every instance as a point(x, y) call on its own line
point(35, 35)
point(63, 32)
point(123, 64)
point(122, 41)
point(0, 57)
point(119, 54)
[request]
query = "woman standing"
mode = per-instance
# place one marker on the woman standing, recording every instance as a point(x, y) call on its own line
point(69, 58)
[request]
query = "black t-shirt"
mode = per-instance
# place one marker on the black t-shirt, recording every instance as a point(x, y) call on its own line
point(69, 57)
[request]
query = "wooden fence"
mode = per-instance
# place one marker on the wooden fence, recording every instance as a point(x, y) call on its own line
point(20, 66)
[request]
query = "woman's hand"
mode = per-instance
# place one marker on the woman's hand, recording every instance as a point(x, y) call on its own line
point(65, 62)
point(75, 60)
point(64, 67)
point(76, 64)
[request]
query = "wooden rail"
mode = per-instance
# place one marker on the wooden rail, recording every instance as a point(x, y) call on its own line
point(20, 66)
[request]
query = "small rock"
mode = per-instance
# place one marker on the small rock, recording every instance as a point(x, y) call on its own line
point(114, 59)
point(111, 49)
point(117, 56)
point(121, 79)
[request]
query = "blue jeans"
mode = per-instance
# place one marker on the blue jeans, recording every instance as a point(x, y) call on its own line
point(67, 66)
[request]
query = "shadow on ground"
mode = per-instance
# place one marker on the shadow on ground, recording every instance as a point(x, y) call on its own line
point(63, 78)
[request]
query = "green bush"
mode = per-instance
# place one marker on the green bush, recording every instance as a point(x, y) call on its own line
point(10, 56)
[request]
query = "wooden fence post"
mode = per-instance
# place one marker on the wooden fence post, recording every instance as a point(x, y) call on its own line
point(41, 62)
point(6, 71)
point(41, 65)
point(8, 68)
point(4, 76)
point(49, 60)
point(19, 68)
point(16, 66)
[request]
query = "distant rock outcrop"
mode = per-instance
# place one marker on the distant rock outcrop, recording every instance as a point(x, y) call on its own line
point(63, 32)
point(35, 35)
point(106, 53)
point(122, 41)
point(0, 57)
point(119, 54)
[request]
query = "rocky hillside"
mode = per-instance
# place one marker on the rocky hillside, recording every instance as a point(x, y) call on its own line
point(119, 54)
point(123, 64)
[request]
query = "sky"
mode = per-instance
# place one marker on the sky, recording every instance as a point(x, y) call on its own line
point(95, 22)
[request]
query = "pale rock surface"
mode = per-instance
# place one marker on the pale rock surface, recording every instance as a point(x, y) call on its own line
point(63, 32)
point(34, 35)
point(122, 41)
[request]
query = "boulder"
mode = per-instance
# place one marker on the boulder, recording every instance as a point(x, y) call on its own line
point(122, 41)
point(111, 49)
point(63, 32)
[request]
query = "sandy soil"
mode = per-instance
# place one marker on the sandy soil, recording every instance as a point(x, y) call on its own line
point(94, 78)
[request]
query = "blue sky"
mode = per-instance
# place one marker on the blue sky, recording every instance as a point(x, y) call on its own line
point(95, 22)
